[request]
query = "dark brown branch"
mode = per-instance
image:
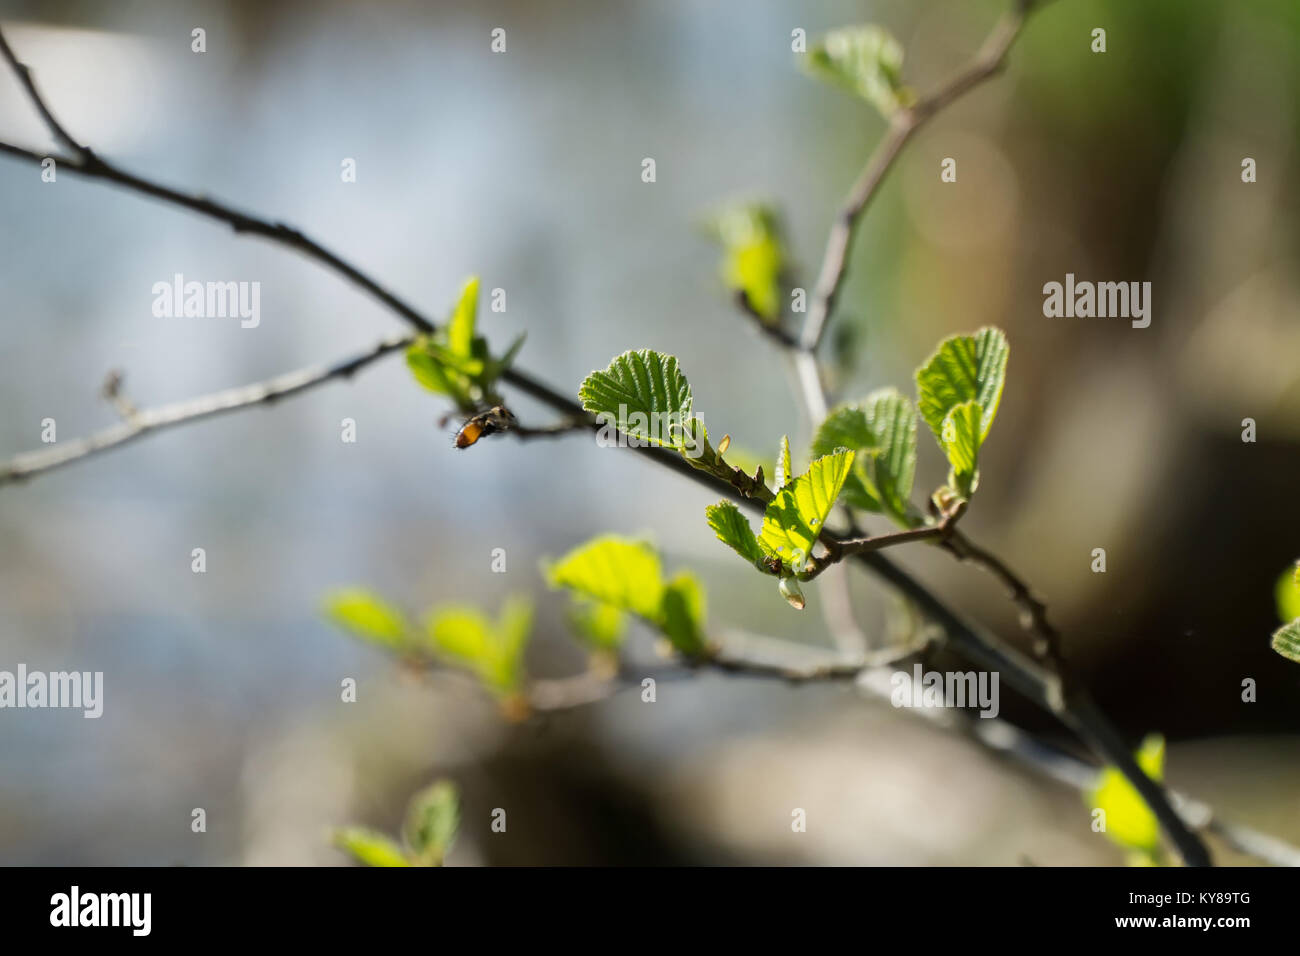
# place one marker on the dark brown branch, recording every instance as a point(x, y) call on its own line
point(1033, 611)
point(563, 427)
point(839, 549)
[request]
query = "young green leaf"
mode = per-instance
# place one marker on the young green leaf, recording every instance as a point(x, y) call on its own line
point(613, 570)
point(367, 616)
point(494, 651)
point(846, 427)
point(602, 626)
point(1129, 821)
point(644, 394)
point(626, 575)
point(753, 255)
point(1288, 594)
point(960, 388)
point(891, 467)
point(370, 847)
point(733, 530)
point(682, 615)
point(882, 429)
point(866, 60)
point(964, 368)
point(428, 371)
point(456, 362)
point(1286, 641)
point(460, 327)
point(794, 518)
point(959, 438)
point(432, 819)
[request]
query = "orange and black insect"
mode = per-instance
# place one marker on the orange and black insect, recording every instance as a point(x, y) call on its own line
point(498, 418)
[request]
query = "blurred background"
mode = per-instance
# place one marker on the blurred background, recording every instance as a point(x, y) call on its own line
point(222, 688)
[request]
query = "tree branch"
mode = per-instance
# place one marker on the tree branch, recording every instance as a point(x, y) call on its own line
point(136, 423)
point(795, 664)
point(903, 124)
point(838, 549)
point(1025, 675)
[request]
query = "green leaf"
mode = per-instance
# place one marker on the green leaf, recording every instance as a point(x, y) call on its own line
point(430, 373)
point(960, 441)
point(370, 847)
point(367, 616)
point(1286, 641)
point(1129, 821)
point(733, 530)
point(753, 255)
point(600, 625)
point(617, 571)
point(1288, 594)
point(964, 368)
point(846, 427)
point(493, 651)
point(682, 615)
point(625, 574)
point(468, 366)
point(866, 60)
point(794, 518)
point(460, 327)
point(644, 394)
point(432, 820)
point(882, 428)
point(891, 467)
point(783, 473)
point(454, 361)
point(463, 634)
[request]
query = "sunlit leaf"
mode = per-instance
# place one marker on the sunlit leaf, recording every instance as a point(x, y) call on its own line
point(1288, 594)
point(959, 437)
point(964, 368)
point(1286, 641)
point(882, 429)
point(367, 616)
point(600, 625)
point(683, 615)
point(794, 519)
point(613, 570)
point(753, 255)
point(432, 820)
point(370, 847)
point(492, 650)
point(460, 326)
point(865, 60)
point(644, 394)
point(1129, 821)
point(733, 529)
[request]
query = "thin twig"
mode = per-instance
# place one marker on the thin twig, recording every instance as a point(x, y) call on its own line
point(903, 124)
point(1039, 685)
point(137, 423)
point(1033, 611)
point(837, 549)
point(562, 427)
point(759, 657)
